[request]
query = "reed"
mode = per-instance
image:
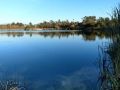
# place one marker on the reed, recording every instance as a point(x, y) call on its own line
point(10, 81)
point(109, 62)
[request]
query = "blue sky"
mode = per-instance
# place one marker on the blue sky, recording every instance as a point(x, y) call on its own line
point(36, 11)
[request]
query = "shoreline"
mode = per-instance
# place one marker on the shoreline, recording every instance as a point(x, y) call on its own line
point(21, 29)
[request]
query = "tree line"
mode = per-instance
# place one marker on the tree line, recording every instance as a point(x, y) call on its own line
point(87, 21)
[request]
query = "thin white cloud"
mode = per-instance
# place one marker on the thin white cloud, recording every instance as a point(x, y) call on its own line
point(74, 81)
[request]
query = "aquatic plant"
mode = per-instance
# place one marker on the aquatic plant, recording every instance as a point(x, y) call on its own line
point(10, 85)
point(11, 81)
point(109, 61)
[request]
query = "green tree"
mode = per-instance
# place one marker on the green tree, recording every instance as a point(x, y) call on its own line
point(89, 20)
point(13, 23)
point(102, 22)
point(30, 24)
point(8, 26)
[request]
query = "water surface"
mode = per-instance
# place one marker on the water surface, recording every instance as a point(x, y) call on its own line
point(54, 59)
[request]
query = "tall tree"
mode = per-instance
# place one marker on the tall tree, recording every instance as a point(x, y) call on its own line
point(89, 20)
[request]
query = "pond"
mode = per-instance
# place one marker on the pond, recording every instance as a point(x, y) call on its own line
point(51, 59)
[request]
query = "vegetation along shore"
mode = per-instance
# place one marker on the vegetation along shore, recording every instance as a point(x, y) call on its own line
point(109, 61)
point(88, 23)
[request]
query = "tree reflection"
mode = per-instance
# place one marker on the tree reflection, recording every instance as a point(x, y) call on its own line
point(90, 36)
point(87, 36)
point(14, 34)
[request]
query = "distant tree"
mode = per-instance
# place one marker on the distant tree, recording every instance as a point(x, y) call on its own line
point(112, 22)
point(52, 24)
point(72, 26)
point(8, 26)
point(89, 20)
point(27, 27)
point(101, 22)
point(13, 23)
point(30, 24)
point(17, 23)
point(107, 21)
point(20, 24)
point(57, 27)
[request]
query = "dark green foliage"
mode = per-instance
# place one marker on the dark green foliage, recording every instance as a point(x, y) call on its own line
point(89, 20)
point(27, 28)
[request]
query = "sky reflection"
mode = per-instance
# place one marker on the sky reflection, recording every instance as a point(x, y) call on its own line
point(64, 63)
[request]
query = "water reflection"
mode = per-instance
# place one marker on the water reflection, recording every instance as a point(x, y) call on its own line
point(77, 80)
point(86, 36)
point(58, 63)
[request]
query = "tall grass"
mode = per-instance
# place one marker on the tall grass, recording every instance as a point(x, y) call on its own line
point(109, 62)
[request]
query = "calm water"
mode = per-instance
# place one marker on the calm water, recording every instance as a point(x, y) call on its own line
point(51, 60)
